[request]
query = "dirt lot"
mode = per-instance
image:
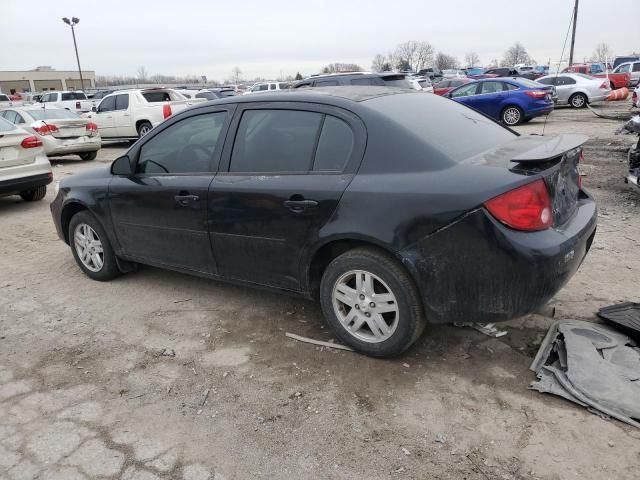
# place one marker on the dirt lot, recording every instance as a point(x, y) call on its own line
point(89, 387)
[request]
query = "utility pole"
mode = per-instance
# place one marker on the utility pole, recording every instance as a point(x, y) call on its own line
point(573, 34)
point(72, 23)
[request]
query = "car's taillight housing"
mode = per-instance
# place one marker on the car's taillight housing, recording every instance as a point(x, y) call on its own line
point(166, 110)
point(31, 142)
point(537, 94)
point(604, 86)
point(91, 128)
point(46, 129)
point(526, 208)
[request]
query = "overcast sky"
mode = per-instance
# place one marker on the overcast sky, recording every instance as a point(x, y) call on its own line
point(272, 38)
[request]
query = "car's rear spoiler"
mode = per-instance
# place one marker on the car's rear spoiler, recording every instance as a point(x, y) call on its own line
point(548, 147)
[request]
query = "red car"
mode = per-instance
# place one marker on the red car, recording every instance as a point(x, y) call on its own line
point(445, 86)
point(616, 80)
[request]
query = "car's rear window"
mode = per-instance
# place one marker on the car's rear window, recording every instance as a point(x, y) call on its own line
point(455, 130)
point(6, 126)
point(153, 97)
point(52, 113)
point(525, 82)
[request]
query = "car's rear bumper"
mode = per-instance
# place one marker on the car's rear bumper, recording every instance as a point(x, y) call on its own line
point(538, 110)
point(58, 146)
point(478, 270)
point(599, 98)
point(20, 184)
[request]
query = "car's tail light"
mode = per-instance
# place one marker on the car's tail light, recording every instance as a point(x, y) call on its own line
point(31, 142)
point(91, 128)
point(526, 208)
point(604, 86)
point(46, 129)
point(166, 110)
point(537, 94)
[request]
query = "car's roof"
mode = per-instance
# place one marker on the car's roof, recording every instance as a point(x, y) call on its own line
point(320, 95)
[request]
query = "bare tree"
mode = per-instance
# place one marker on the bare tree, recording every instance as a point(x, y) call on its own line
point(142, 74)
point(236, 75)
point(602, 53)
point(516, 54)
point(445, 62)
point(472, 59)
point(380, 63)
point(341, 67)
point(412, 54)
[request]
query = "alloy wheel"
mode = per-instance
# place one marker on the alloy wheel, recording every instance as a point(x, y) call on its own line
point(365, 306)
point(144, 129)
point(511, 116)
point(577, 101)
point(88, 247)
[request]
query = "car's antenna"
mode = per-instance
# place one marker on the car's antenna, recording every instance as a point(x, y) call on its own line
point(573, 12)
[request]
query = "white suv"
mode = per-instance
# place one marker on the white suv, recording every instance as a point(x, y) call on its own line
point(267, 87)
point(24, 167)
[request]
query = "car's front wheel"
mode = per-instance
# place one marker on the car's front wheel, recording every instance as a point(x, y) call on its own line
point(371, 302)
point(512, 116)
point(35, 194)
point(91, 248)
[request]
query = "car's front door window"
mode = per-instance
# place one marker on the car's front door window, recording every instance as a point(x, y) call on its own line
point(184, 147)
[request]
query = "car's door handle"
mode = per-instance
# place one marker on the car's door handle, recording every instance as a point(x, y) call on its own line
point(298, 206)
point(186, 200)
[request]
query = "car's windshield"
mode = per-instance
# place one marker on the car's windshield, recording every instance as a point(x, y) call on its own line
point(455, 130)
point(52, 113)
point(6, 126)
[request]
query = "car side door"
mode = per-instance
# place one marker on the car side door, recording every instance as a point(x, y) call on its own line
point(103, 116)
point(489, 98)
point(159, 212)
point(121, 116)
point(565, 87)
point(279, 183)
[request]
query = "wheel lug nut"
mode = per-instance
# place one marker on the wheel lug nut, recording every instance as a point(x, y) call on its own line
point(361, 297)
point(372, 305)
point(357, 307)
point(367, 314)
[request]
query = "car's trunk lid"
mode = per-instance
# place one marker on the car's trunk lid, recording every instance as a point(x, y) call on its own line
point(69, 128)
point(11, 152)
point(555, 159)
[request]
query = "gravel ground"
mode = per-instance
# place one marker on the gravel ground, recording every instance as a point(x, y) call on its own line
point(163, 375)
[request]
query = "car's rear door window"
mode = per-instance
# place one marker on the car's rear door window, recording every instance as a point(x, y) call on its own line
point(326, 83)
point(334, 146)
point(491, 87)
point(187, 146)
point(122, 101)
point(270, 141)
point(11, 116)
point(363, 81)
point(465, 91)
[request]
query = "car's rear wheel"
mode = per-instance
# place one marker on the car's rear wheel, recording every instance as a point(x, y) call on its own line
point(91, 248)
point(88, 155)
point(144, 128)
point(578, 100)
point(512, 115)
point(34, 194)
point(371, 302)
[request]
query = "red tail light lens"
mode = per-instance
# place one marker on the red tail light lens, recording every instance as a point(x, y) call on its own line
point(166, 110)
point(46, 129)
point(31, 142)
point(91, 127)
point(526, 208)
point(537, 94)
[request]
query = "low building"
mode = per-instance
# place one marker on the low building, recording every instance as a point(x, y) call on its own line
point(42, 79)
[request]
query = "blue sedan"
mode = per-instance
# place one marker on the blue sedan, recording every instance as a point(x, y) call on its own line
point(509, 100)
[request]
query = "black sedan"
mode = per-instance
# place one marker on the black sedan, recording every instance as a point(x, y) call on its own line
point(393, 208)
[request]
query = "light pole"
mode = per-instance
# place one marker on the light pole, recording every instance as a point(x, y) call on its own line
point(72, 23)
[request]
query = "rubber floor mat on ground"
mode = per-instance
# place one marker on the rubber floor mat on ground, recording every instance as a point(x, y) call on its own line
point(625, 315)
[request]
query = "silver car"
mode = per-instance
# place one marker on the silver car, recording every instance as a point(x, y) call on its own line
point(62, 132)
point(577, 89)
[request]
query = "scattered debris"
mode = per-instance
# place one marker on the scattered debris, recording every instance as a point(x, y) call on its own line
point(167, 352)
point(591, 365)
point(405, 451)
point(225, 374)
point(205, 396)
point(625, 316)
point(439, 439)
point(182, 301)
point(318, 342)
point(406, 365)
point(486, 328)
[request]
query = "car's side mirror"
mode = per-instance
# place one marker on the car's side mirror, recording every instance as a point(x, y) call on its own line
point(94, 109)
point(448, 95)
point(121, 166)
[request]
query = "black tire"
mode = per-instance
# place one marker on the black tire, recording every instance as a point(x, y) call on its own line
point(578, 100)
point(144, 128)
point(34, 195)
point(109, 269)
point(410, 320)
point(512, 115)
point(89, 155)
